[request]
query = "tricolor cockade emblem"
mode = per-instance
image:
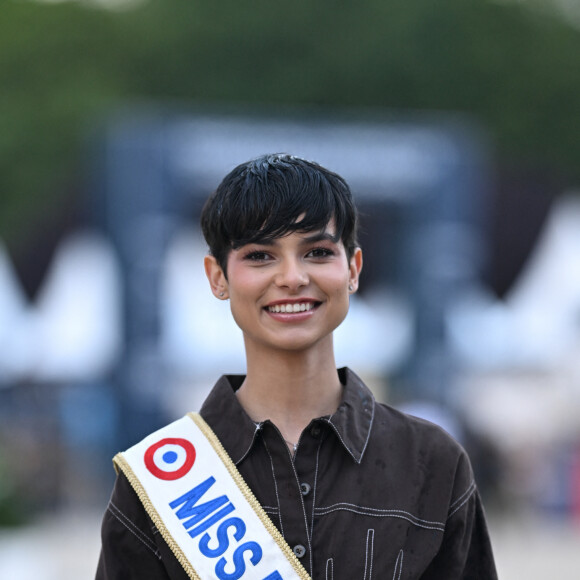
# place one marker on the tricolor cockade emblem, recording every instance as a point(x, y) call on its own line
point(170, 459)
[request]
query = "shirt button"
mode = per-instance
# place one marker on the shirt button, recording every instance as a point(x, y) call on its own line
point(304, 488)
point(299, 550)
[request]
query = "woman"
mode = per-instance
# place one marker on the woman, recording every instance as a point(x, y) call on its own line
point(354, 489)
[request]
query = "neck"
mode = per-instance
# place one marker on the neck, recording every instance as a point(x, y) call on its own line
point(290, 389)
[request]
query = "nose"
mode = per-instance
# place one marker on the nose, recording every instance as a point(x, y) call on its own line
point(292, 274)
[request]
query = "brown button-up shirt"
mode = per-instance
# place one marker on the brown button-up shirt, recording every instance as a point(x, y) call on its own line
point(370, 493)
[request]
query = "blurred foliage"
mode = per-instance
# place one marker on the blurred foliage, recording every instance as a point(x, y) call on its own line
point(12, 510)
point(64, 64)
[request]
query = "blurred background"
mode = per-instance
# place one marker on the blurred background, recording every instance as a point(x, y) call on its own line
point(456, 124)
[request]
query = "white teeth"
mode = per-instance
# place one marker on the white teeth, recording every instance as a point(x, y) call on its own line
point(296, 307)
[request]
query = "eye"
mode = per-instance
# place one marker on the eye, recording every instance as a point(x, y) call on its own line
point(257, 256)
point(320, 253)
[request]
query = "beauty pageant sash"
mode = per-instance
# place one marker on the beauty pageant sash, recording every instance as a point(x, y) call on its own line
point(203, 508)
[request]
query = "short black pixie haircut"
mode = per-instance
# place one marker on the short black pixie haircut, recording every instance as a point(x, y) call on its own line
point(274, 195)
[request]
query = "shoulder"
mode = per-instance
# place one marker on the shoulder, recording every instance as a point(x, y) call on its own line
point(132, 546)
point(126, 527)
point(419, 449)
point(382, 431)
point(414, 433)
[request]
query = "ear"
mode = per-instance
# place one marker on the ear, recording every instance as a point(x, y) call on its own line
point(355, 267)
point(216, 277)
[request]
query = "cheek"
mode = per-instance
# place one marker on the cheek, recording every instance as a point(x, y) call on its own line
point(339, 294)
point(245, 286)
point(240, 279)
point(338, 281)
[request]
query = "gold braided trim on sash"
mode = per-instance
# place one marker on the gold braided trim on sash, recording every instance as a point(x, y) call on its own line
point(121, 462)
point(248, 494)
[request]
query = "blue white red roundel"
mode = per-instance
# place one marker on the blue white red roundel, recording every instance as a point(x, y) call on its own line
point(170, 458)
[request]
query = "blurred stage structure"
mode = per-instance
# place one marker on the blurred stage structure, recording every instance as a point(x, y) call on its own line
point(420, 187)
point(125, 334)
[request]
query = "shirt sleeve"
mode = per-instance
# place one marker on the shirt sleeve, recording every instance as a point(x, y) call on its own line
point(131, 548)
point(465, 551)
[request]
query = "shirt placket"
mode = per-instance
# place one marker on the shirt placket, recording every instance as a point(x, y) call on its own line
point(295, 487)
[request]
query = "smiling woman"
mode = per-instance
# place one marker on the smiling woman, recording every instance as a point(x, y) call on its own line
point(307, 441)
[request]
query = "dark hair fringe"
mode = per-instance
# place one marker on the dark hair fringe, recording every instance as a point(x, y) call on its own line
point(274, 195)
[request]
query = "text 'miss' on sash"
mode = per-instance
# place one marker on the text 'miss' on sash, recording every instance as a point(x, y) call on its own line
point(203, 508)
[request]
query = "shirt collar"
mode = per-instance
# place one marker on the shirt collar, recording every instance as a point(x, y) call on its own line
point(352, 421)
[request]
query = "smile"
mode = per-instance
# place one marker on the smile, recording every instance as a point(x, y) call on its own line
point(288, 308)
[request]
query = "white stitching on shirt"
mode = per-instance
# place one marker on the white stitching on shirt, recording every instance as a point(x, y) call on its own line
point(368, 432)
point(272, 511)
point(139, 534)
point(329, 569)
point(381, 511)
point(329, 420)
point(314, 484)
point(258, 427)
point(369, 554)
point(275, 485)
point(308, 538)
point(114, 509)
point(462, 500)
point(301, 500)
point(342, 441)
point(398, 566)
point(374, 512)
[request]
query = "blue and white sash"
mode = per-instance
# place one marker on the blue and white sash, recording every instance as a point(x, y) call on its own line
point(203, 508)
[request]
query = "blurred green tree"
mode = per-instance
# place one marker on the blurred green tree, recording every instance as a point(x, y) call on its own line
point(61, 65)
